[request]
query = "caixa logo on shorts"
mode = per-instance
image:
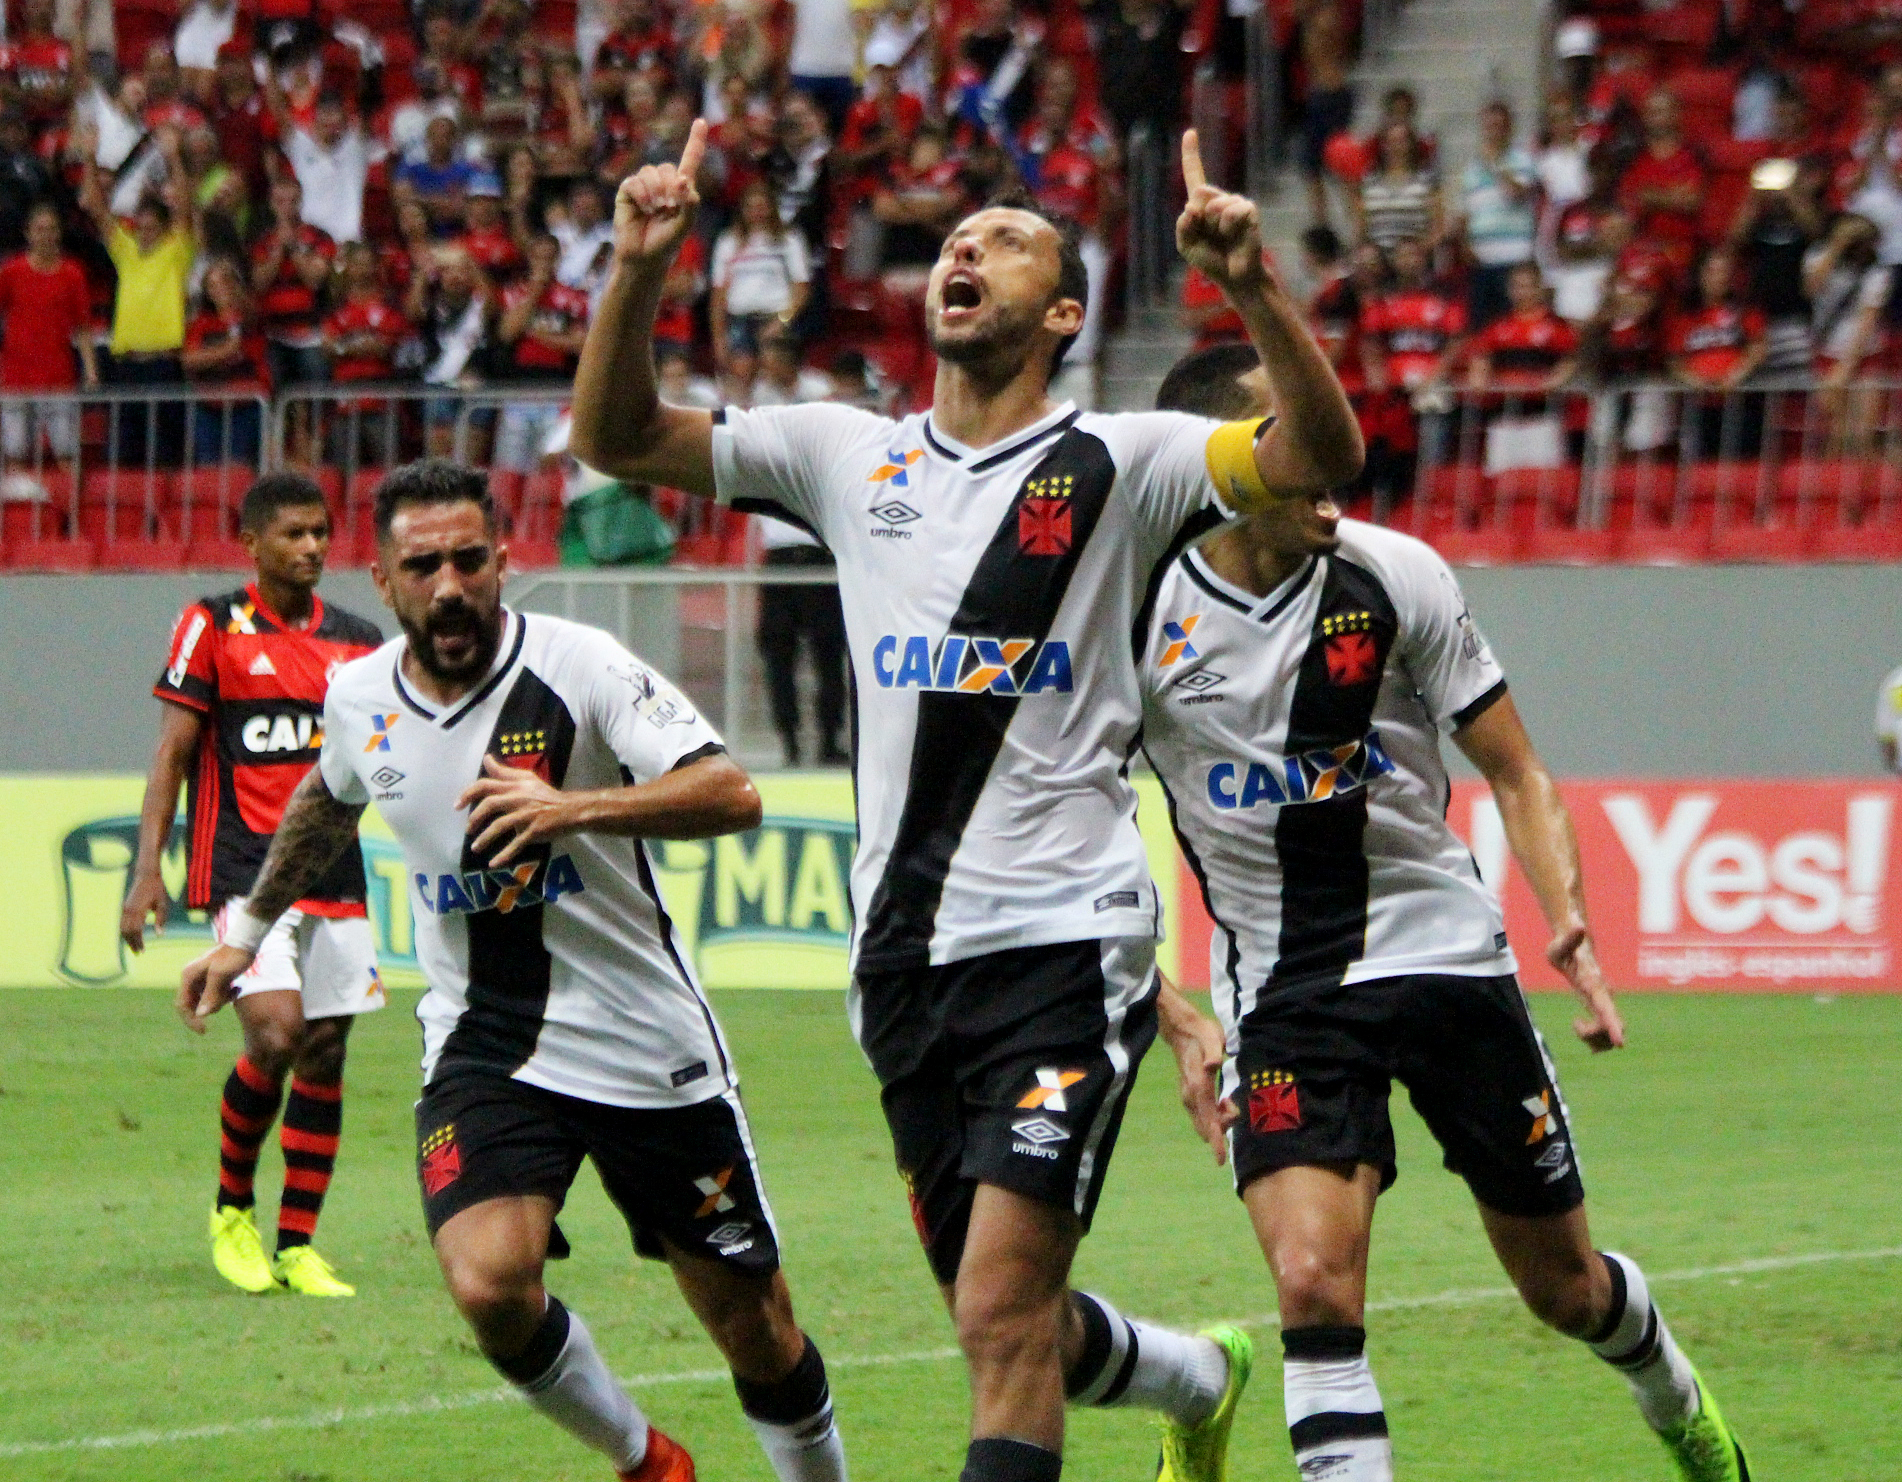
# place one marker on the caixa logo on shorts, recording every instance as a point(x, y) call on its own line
point(499, 890)
point(972, 666)
point(1326, 772)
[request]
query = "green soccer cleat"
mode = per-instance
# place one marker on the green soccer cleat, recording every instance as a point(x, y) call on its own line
point(1703, 1447)
point(302, 1270)
point(237, 1251)
point(1200, 1453)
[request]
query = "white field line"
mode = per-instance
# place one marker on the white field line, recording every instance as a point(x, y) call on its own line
point(397, 1410)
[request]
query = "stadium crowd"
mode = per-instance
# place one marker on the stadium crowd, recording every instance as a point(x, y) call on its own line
point(1706, 198)
point(240, 196)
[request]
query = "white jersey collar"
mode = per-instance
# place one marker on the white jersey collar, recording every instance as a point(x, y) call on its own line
point(514, 630)
point(976, 460)
point(1262, 609)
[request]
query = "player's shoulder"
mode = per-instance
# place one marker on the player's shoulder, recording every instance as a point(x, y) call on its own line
point(1392, 555)
point(1134, 433)
point(232, 611)
point(563, 651)
point(342, 626)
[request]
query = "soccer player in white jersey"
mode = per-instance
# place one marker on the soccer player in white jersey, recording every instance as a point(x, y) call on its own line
point(993, 556)
point(522, 763)
point(1298, 669)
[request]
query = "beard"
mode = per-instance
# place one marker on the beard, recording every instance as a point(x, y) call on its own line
point(473, 637)
point(997, 345)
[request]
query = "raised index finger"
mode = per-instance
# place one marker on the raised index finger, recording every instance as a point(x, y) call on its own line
point(1193, 177)
point(695, 148)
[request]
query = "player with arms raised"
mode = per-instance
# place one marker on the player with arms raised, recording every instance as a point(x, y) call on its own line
point(994, 555)
point(522, 763)
point(1297, 670)
point(244, 695)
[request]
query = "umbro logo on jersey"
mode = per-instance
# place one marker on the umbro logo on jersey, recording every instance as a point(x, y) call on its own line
point(386, 777)
point(972, 666)
point(262, 664)
point(499, 890)
point(894, 513)
point(266, 733)
point(1179, 646)
point(1200, 680)
point(380, 737)
point(893, 469)
point(1311, 777)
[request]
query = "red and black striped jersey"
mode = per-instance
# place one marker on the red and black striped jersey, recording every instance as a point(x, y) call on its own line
point(260, 685)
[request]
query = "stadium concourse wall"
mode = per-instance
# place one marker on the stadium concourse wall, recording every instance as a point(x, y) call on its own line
point(1713, 725)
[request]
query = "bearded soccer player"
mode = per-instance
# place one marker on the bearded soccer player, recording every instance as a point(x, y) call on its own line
point(523, 763)
point(244, 700)
point(993, 556)
point(1298, 670)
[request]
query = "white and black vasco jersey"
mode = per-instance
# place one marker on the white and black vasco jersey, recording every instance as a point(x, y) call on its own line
point(992, 598)
point(561, 968)
point(1298, 739)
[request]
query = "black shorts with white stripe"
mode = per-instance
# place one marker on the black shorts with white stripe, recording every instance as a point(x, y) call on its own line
point(1012, 1069)
point(1312, 1081)
point(680, 1175)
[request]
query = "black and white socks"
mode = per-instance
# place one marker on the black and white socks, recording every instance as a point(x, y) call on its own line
point(793, 1420)
point(1127, 1362)
point(1634, 1340)
point(1335, 1419)
point(562, 1374)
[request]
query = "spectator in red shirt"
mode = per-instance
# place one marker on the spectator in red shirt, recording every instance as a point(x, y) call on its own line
point(489, 241)
point(224, 352)
point(238, 117)
point(1206, 312)
point(361, 336)
point(47, 309)
point(1410, 332)
point(1715, 347)
point(542, 328)
point(641, 43)
point(290, 269)
point(1664, 187)
point(686, 280)
point(878, 132)
point(38, 65)
point(1529, 348)
point(165, 105)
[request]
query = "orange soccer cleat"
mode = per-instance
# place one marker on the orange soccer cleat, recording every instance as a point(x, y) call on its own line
point(666, 1461)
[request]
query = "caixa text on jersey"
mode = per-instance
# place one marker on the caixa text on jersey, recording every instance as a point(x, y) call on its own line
point(528, 884)
point(972, 665)
point(1325, 772)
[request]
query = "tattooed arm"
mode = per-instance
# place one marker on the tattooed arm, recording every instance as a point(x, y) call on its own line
point(315, 829)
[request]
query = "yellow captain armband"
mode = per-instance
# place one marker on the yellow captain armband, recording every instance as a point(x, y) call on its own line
point(1231, 459)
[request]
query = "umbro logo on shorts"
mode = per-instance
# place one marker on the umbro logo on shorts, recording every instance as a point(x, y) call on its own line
point(1037, 1137)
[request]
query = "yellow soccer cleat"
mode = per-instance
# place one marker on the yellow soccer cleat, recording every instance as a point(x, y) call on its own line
point(237, 1251)
point(302, 1270)
point(1704, 1447)
point(1200, 1453)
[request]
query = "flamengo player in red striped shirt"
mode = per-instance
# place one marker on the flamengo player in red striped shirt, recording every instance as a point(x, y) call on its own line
point(243, 693)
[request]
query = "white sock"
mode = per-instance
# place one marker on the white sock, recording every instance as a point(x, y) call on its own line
point(793, 1420)
point(562, 1374)
point(1127, 1362)
point(1335, 1419)
point(1636, 1342)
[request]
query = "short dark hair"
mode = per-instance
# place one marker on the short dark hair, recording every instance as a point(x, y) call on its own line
point(155, 203)
point(1073, 279)
point(273, 492)
point(1323, 243)
point(431, 481)
point(1208, 383)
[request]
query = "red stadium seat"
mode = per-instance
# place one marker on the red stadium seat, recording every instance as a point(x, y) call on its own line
point(165, 553)
point(124, 524)
point(217, 555)
point(126, 487)
point(1780, 543)
point(1563, 545)
point(1868, 542)
point(48, 555)
point(534, 551)
point(1543, 491)
point(1685, 544)
point(1490, 545)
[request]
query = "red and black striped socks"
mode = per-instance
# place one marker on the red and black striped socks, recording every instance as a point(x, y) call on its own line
point(313, 1118)
point(249, 1107)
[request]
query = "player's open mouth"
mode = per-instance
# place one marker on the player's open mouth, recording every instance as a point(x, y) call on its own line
point(960, 295)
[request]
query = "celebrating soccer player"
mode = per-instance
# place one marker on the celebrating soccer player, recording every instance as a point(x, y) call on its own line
point(1297, 670)
point(994, 555)
point(522, 763)
point(244, 695)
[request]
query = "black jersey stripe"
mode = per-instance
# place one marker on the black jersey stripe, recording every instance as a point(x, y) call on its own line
point(1321, 845)
point(664, 923)
point(509, 965)
point(995, 460)
point(1011, 595)
point(1474, 709)
point(773, 509)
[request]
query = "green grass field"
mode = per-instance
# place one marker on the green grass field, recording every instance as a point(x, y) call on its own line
point(1735, 1130)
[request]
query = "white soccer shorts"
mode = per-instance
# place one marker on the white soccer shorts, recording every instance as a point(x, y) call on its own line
point(331, 960)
